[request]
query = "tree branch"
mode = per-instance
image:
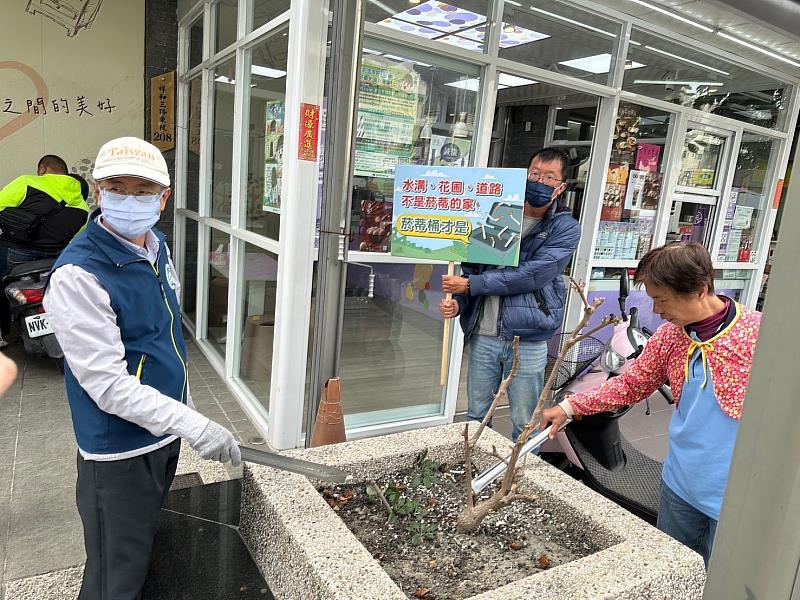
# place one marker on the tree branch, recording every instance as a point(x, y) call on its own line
point(379, 492)
point(468, 497)
point(500, 393)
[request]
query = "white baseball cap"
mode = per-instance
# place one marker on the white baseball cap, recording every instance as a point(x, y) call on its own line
point(132, 157)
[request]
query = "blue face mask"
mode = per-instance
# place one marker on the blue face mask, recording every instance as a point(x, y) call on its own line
point(538, 194)
point(130, 216)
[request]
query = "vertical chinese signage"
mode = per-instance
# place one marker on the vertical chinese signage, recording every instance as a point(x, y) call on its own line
point(458, 214)
point(309, 132)
point(162, 111)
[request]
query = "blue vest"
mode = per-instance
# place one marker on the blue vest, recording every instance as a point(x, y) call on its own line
point(148, 317)
point(701, 441)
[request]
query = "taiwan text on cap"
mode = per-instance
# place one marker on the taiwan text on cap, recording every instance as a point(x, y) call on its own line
point(132, 157)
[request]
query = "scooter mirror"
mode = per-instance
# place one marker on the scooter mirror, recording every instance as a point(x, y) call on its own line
point(624, 288)
point(624, 284)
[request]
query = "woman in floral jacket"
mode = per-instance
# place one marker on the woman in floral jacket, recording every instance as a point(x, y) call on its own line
point(704, 352)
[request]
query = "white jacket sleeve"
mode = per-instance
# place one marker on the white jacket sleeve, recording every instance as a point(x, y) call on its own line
point(79, 309)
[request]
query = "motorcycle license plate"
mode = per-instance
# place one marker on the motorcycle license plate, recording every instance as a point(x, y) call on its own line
point(38, 325)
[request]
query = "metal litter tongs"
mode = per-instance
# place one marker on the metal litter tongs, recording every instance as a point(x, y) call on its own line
point(492, 473)
point(293, 465)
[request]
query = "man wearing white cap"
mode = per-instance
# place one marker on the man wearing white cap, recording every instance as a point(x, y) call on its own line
point(113, 303)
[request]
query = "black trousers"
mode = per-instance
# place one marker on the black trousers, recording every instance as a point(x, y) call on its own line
point(120, 503)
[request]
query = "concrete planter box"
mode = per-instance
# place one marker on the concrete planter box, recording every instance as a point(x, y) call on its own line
point(306, 552)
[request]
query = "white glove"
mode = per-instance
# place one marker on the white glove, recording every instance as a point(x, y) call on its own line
point(217, 443)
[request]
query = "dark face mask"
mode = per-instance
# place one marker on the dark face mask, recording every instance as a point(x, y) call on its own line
point(538, 194)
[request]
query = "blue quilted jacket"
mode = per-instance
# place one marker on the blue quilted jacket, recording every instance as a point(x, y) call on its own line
point(532, 294)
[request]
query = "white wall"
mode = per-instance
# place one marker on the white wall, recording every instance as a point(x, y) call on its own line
point(53, 57)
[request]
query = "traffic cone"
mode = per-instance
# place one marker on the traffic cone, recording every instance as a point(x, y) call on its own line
point(329, 426)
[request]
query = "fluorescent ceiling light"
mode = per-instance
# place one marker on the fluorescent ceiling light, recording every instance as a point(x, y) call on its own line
point(686, 60)
point(513, 81)
point(267, 72)
point(672, 82)
point(503, 81)
point(512, 2)
point(599, 63)
point(471, 84)
point(573, 22)
point(732, 38)
point(673, 15)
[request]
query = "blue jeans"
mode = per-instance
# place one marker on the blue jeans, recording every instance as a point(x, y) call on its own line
point(685, 523)
point(490, 360)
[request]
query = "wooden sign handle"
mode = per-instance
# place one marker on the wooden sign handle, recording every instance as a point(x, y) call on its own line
point(448, 323)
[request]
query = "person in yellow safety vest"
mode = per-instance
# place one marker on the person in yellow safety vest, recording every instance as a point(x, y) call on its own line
point(39, 215)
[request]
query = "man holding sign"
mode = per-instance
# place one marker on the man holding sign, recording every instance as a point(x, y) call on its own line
point(497, 303)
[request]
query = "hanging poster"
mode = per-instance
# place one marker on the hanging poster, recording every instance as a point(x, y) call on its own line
point(647, 156)
point(726, 226)
point(626, 130)
point(469, 214)
point(387, 115)
point(635, 191)
point(449, 151)
point(273, 156)
point(742, 217)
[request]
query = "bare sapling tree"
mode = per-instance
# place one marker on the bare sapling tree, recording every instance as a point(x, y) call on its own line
point(473, 514)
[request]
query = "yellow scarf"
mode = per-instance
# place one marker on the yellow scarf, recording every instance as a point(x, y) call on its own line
point(706, 347)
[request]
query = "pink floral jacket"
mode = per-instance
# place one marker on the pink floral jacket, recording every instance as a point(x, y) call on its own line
point(665, 359)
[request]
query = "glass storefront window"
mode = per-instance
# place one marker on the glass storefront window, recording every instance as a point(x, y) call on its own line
point(227, 11)
point(392, 343)
point(217, 296)
point(266, 10)
point(732, 282)
point(222, 150)
point(575, 124)
point(410, 111)
point(561, 37)
point(189, 263)
point(701, 160)
point(196, 42)
point(748, 200)
point(604, 283)
point(634, 189)
point(461, 23)
point(692, 219)
point(265, 149)
point(192, 200)
point(258, 303)
point(682, 75)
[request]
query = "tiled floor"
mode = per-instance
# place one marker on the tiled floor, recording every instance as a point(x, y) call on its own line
point(40, 529)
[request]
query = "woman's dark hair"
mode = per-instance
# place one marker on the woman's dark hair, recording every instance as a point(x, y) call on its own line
point(550, 154)
point(684, 268)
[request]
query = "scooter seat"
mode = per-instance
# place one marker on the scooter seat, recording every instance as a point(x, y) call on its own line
point(636, 486)
point(36, 266)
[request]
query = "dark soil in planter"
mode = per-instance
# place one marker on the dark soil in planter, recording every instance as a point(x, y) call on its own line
point(513, 543)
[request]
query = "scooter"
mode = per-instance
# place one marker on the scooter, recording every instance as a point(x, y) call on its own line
point(593, 448)
point(24, 287)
